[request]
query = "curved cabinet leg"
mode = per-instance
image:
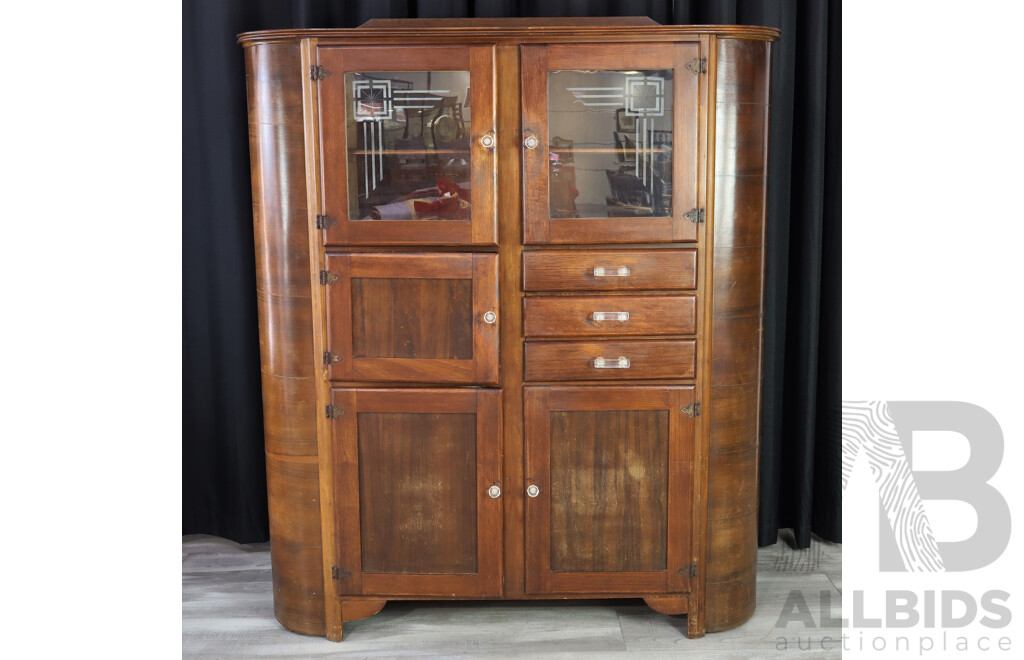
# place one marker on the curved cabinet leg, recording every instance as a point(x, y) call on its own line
point(354, 610)
point(679, 605)
point(695, 624)
point(668, 605)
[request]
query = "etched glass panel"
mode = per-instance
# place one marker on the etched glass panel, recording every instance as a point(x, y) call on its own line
point(610, 143)
point(408, 145)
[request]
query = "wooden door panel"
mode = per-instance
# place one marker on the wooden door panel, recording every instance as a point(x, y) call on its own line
point(593, 455)
point(613, 466)
point(609, 360)
point(436, 318)
point(413, 317)
point(411, 481)
point(408, 523)
point(402, 160)
point(614, 137)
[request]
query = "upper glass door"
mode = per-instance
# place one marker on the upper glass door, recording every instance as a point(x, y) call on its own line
point(610, 143)
point(407, 145)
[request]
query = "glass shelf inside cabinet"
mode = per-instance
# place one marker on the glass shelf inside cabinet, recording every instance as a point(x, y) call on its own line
point(408, 145)
point(610, 143)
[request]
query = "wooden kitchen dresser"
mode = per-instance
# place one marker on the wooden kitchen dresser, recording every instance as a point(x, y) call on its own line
point(510, 284)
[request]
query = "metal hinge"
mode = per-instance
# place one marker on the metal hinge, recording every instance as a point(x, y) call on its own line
point(694, 215)
point(698, 65)
point(688, 571)
point(331, 358)
point(340, 573)
point(334, 412)
point(324, 221)
point(317, 72)
point(691, 410)
point(327, 278)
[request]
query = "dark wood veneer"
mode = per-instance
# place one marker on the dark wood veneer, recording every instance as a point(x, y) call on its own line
point(553, 360)
point(286, 339)
point(741, 167)
point(573, 270)
point(565, 316)
point(383, 432)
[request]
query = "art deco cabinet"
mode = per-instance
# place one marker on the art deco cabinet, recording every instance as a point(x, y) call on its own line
point(509, 276)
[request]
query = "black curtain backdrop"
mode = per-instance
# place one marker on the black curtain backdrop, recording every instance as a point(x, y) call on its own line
point(223, 478)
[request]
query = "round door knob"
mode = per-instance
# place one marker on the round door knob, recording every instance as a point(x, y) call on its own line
point(490, 317)
point(487, 140)
point(533, 490)
point(531, 142)
point(494, 491)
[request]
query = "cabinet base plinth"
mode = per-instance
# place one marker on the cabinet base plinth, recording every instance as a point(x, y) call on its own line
point(695, 627)
point(353, 610)
point(678, 605)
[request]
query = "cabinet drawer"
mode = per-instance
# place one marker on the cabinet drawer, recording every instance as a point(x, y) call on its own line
point(610, 360)
point(609, 315)
point(609, 270)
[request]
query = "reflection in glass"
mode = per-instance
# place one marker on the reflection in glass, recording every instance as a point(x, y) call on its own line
point(610, 143)
point(408, 145)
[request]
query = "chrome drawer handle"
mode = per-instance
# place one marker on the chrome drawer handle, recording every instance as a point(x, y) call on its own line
point(610, 316)
point(621, 363)
point(601, 271)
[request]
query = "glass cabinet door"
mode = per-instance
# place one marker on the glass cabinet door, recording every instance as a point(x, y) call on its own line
point(610, 138)
point(407, 145)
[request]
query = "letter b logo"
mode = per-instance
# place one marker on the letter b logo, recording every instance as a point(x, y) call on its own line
point(883, 431)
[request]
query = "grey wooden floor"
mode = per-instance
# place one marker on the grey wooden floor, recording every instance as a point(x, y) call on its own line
point(227, 612)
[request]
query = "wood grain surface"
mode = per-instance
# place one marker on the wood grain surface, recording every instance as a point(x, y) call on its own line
point(573, 270)
point(741, 162)
point(554, 360)
point(379, 466)
point(277, 152)
point(581, 455)
point(585, 316)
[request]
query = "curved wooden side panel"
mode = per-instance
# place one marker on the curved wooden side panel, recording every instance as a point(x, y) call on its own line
point(293, 492)
point(276, 141)
point(741, 131)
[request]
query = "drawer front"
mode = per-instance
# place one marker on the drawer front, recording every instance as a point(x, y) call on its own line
point(610, 360)
point(609, 270)
point(583, 316)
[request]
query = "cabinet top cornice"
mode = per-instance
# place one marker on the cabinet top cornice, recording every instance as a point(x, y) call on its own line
point(469, 30)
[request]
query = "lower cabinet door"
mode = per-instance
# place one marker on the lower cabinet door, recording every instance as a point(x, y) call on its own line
point(417, 491)
point(609, 489)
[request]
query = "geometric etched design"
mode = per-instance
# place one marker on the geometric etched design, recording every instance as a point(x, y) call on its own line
point(645, 96)
point(373, 99)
